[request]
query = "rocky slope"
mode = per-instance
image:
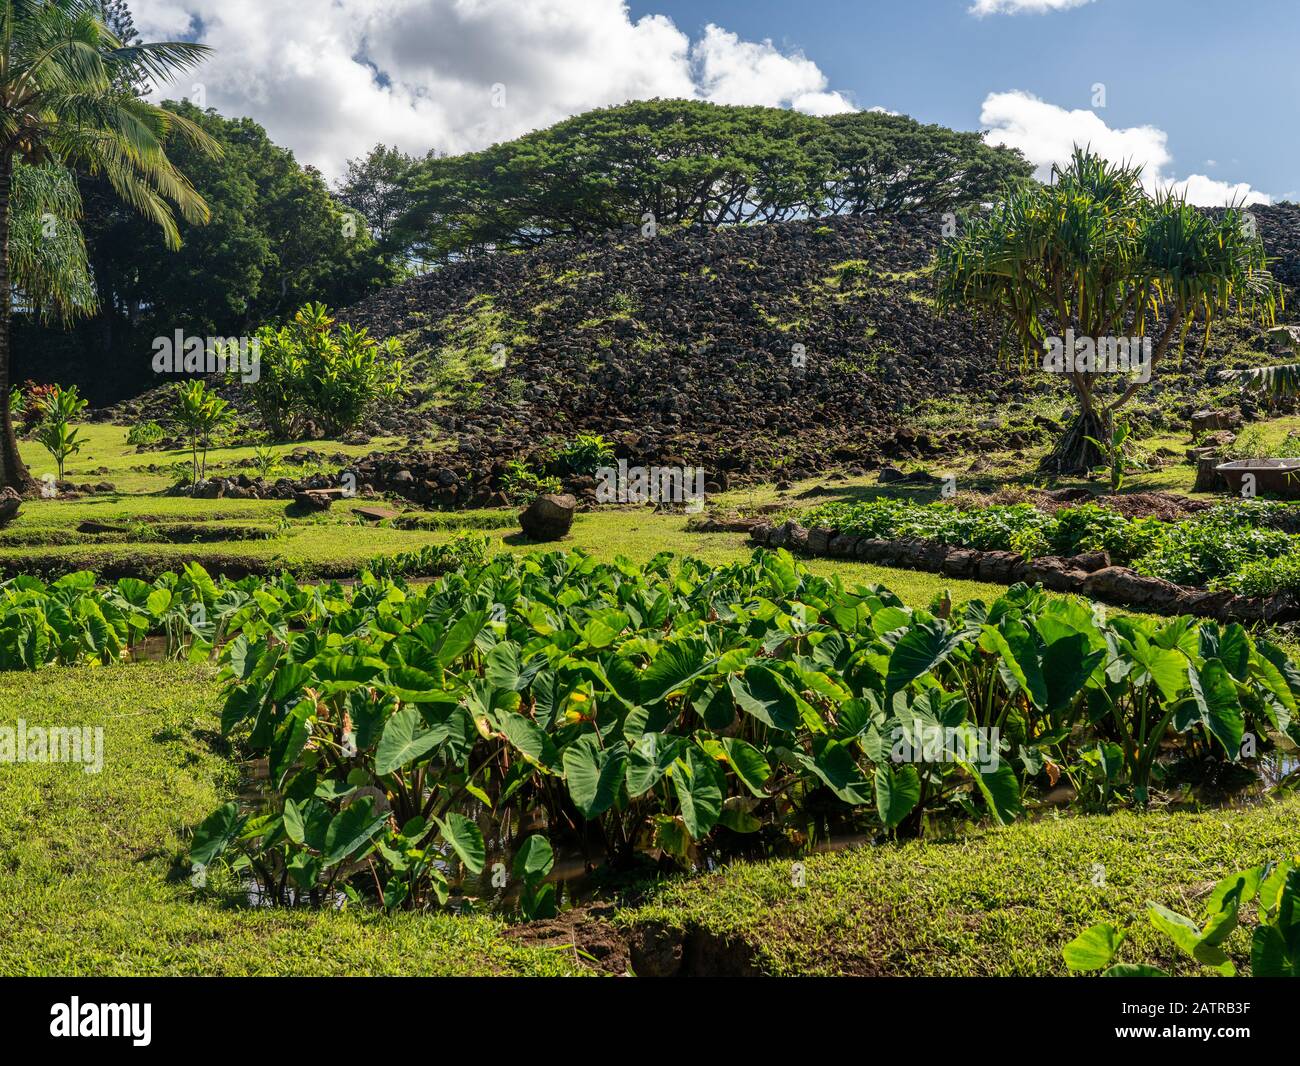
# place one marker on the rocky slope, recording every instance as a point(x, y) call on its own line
point(766, 351)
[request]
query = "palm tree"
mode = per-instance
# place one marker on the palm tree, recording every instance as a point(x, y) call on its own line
point(62, 106)
point(1092, 252)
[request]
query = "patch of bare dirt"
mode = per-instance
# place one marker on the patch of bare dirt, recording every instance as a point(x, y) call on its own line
point(587, 931)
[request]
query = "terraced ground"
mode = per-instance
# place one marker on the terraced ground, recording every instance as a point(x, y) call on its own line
point(94, 879)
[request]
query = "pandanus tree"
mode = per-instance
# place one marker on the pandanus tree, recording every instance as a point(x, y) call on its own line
point(63, 106)
point(1090, 254)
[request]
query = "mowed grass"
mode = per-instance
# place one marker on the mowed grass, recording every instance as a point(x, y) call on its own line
point(996, 903)
point(93, 878)
point(106, 456)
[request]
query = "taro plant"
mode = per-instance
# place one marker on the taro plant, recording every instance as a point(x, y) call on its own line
point(684, 711)
point(1274, 941)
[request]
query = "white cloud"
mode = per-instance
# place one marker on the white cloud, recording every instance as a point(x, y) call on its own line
point(1047, 134)
point(1019, 7)
point(329, 78)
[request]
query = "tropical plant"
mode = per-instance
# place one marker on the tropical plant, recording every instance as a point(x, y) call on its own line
point(144, 433)
point(584, 454)
point(54, 433)
point(311, 372)
point(1278, 381)
point(522, 484)
point(1091, 254)
point(62, 105)
point(682, 709)
point(200, 413)
point(1274, 942)
point(265, 460)
point(433, 560)
point(1117, 450)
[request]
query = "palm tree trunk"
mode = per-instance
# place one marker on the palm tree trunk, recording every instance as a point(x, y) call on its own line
point(13, 474)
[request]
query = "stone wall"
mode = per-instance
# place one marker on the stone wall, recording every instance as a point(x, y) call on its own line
point(1090, 574)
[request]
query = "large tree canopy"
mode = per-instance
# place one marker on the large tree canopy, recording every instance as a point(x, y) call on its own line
point(686, 161)
point(893, 165)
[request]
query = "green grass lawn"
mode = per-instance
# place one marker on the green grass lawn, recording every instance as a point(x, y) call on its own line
point(106, 456)
point(998, 902)
point(93, 880)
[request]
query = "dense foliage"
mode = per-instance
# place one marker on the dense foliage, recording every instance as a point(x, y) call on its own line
point(1093, 255)
point(687, 711)
point(1237, 546)
point(669, 162)
point(312, 372)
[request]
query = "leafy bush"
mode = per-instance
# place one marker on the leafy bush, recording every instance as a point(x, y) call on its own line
point(1202, 551)
point(583, 455)
point(144, 433)
point(311, 372)
point(1265, 577)
point(30, 402)
point(522, 484)
point(433, 560)
point(1209, 547)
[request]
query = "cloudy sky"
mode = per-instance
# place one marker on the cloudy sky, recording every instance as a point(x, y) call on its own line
point(1203, 101)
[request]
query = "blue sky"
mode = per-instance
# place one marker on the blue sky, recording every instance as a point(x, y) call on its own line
point(1200, 100)
point(1222, 89)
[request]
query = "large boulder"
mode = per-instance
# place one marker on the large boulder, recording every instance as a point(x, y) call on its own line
point(548, 517)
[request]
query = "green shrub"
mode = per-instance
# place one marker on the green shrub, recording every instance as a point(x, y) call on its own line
point(311, 372)
point(1198, 551)
point(583, 455)
point(522, 484)
point(1265, 577)
point(144, 433)
point(433, 560)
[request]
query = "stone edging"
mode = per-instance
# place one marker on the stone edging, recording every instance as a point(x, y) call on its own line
point(1090, 575)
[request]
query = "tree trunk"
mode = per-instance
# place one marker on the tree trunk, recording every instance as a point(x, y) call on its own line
point(1074, 454)
point(13, 474)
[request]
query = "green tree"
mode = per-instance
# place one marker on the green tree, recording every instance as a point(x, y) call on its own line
point(59, 103)
point(1092, 252)
point(200, 413)
point(893, 165)
point(683, 161)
